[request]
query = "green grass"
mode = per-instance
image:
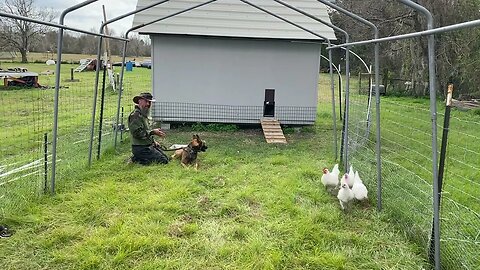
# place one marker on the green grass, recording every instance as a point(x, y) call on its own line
point(66, 57)
point(27, 114)
point(407, 174)
point(251, 205)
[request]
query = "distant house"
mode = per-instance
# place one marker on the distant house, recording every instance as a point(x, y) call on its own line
point(228, 62)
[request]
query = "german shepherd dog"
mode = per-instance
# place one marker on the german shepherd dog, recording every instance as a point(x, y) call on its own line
point(189, 153)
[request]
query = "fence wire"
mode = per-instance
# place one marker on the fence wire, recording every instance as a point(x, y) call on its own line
point(23, 126)
point(27, 117)
point(407, 173)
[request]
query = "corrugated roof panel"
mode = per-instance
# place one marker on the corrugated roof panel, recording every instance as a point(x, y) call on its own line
point(233, 18)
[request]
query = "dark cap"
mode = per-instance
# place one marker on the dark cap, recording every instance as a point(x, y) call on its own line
point(146, 96)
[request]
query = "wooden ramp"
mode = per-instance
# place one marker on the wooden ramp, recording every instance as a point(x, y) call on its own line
point(272, 131)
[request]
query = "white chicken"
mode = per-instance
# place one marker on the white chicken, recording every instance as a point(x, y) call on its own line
point(351, 177)
point(329, 179)
point(345, 194)
point(335, 170)
point(360, 191)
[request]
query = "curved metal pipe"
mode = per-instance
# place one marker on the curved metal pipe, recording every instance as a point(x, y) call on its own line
point(57, 87)
point(285, 20)
point(97, 71)
point(59, 26)
point(433, 112)
point(438, 30)
point(125, 51)
point(347, 59)
point(377, 98)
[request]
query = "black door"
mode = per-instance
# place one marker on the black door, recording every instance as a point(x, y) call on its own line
point(269, 103)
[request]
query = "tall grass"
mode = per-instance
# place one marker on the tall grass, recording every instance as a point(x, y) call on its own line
point(251, 205)
point(27, 114)
point(406, 155)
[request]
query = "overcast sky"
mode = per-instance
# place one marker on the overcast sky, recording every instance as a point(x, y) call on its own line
point(91, 16)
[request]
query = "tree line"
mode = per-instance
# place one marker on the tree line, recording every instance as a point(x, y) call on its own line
point(23, 37)
point(457, 53)
point(88, 44)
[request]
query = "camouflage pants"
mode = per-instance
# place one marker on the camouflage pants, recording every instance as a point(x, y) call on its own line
point(145, 154)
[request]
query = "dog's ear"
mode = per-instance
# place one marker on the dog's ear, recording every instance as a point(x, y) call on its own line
point(198, 137)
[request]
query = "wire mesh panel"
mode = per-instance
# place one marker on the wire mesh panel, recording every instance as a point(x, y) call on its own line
point(407, 173)
point(407, 166)
point(406, 160)
point(460, 205)
point(27, 124)
point(74, 119)
point(360, 115)
point(194, 112)
point(24, 123)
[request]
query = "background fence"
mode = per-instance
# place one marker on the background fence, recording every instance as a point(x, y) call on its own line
point(407, 172)
point(26, 117)
point(406, 154)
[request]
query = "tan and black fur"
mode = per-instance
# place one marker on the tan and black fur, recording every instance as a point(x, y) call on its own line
point(189, 153)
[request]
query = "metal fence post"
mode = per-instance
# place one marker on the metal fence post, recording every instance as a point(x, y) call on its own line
point(433, 112)
point(57, 87)
point(347, 60)
point(97, 71)
point(377, 96)
point(45, 163)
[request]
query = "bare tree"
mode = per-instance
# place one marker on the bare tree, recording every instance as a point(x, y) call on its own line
point(457, 52)
point(18, 35)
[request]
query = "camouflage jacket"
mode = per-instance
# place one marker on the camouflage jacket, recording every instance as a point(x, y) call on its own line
point(139, 128)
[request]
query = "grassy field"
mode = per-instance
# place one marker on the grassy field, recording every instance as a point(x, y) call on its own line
point(407, 173)
point(27, 114)
point(250, 206)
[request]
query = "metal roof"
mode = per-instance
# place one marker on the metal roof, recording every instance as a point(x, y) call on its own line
point(233, 18)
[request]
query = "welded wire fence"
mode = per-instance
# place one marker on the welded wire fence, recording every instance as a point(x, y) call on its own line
point(23, 125)
point(407, 173)
point(26, 129)
point(460, 212)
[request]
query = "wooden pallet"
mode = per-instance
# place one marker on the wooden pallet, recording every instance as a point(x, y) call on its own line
point(272, 131)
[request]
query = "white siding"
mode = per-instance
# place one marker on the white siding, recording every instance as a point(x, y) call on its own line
point(233, 18)
point(225, 78)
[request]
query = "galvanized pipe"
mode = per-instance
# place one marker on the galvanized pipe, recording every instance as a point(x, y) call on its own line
point(120, 90)
point(334, 116)
point(57, 87)
point(438, 30)
point(285, 20)
point(311, 32)
point(97, 71)
point(347, 86)
point(59, 26)
point(433, 112)
point(377, 94)
point(125, 50)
